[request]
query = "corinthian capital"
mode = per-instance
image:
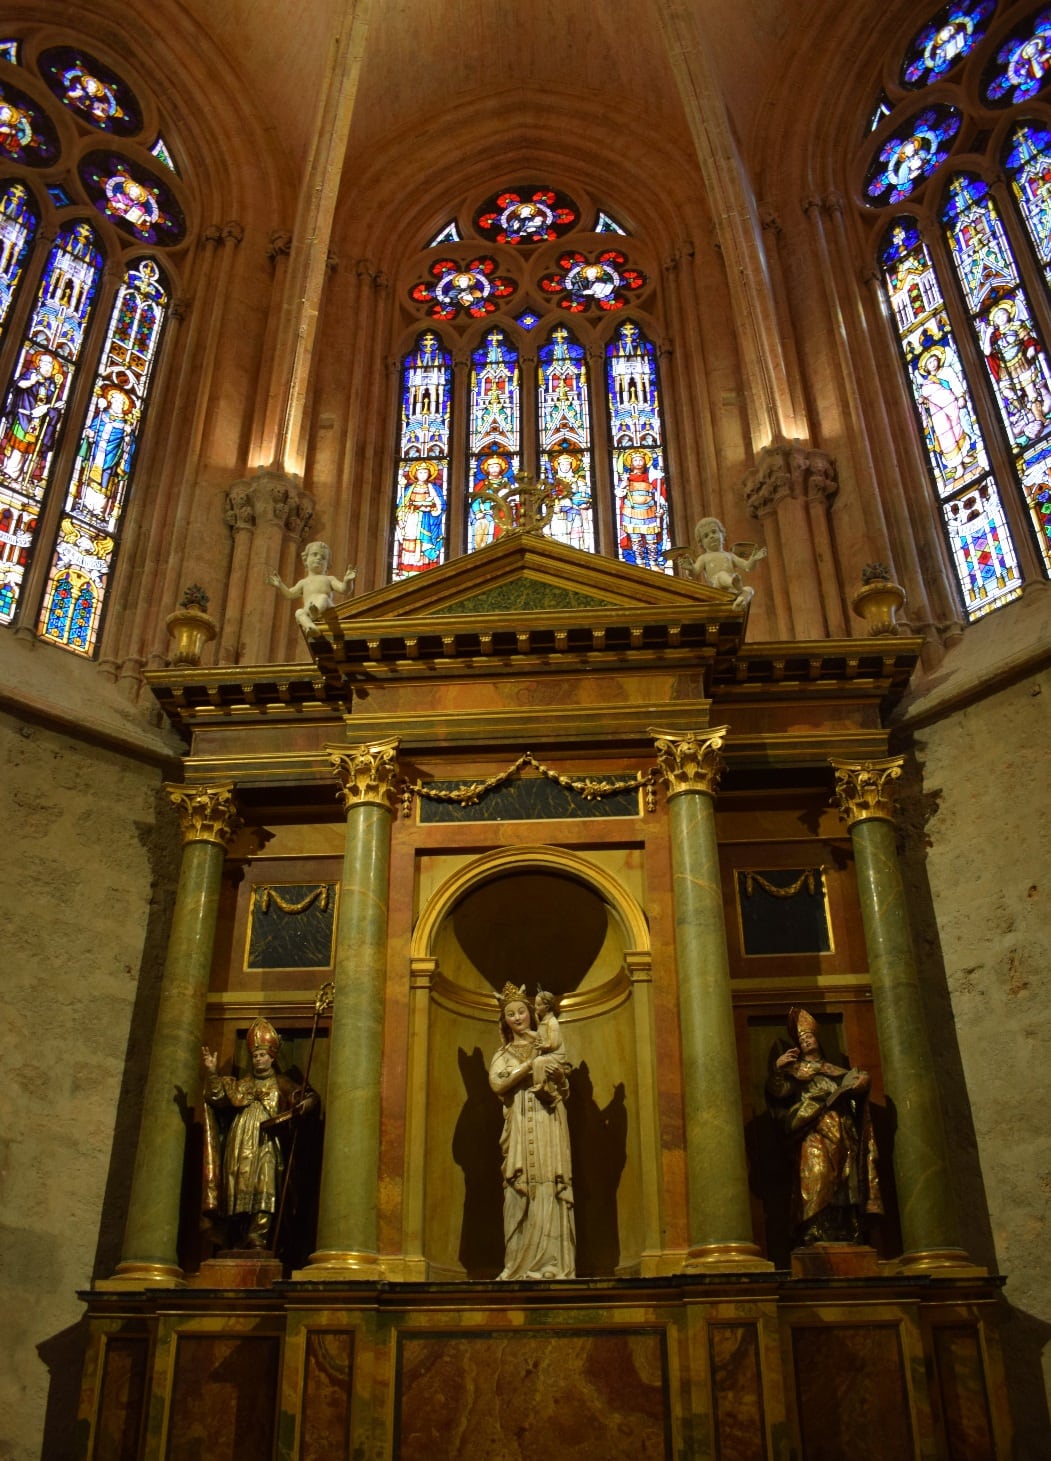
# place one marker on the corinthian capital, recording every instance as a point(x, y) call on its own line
point(368, 775)
point(864, 788)
point(206, 813)
point(690, 761)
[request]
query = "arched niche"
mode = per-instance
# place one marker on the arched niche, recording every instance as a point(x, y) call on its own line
point(530, 915)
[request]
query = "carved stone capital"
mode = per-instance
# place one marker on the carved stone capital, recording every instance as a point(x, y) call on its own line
point(864, 788)
point(690, 761)
point(368, 775)
point(279, 244)
point(212, 234)
point(270, 498)
point(206, 813)
point(788, 470)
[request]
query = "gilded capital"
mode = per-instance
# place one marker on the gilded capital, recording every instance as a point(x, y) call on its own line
point(206, 813)
point(864, 788)
point(690, 761)
point(367, 774)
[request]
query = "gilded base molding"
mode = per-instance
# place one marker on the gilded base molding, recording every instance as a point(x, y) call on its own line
point(132, 1275)
point(940, 1262)
point(726, 1258)
point(330, 1265)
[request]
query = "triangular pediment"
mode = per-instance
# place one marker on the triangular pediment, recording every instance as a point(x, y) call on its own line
point(525, 573)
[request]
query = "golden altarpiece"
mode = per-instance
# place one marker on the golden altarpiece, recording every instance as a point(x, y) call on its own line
point(540, 765)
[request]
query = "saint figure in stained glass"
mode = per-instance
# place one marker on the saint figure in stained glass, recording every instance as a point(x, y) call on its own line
point(419, 538)
point(952, 34)
point(139, 203)
point(91, 90)
point(26, 135)
point(603, 281)
point(571, 519)
point(565, 437)
point(527, 215)
point(472, 289)
point(494, 437)
point(32, 411)
point(1019, 369)
point(642, 509)
point(1022, 63)
point(911, 155)
point(490, 491)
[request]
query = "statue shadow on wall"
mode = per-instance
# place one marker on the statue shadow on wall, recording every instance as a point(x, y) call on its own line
point(599, 1141)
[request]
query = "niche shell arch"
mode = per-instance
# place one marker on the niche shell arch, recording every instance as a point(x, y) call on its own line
point(452, 1183)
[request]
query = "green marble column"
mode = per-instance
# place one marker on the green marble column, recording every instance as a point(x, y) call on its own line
point(348, 1218)
point(209, 820)
point(717, 1173)
point(929, 1228)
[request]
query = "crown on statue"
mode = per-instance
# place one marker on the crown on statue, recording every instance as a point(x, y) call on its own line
point(511, 994)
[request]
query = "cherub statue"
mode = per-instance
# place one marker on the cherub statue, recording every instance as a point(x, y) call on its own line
point(719, 568)
point(317, 587)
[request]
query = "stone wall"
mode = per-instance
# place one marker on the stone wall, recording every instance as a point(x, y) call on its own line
point(89, 886)
point(976, 853)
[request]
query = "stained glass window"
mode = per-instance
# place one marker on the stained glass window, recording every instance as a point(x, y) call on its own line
point(162, 152)
point(420, 513)
point(521, 418)
point(26, 133)
point(140, 204)
point(881, 108)
point(474, 289)
point(637, 442)
point(99, 482)
point(36, 399)
point(9, 52)
point(917, 148)
point(18, 224)
point(1027, 162)
point(494, 437)
point(565, 438)
point(527, 215)
point(605, 280)
point(91, 90)
point(947, 38)
point(1022, 63)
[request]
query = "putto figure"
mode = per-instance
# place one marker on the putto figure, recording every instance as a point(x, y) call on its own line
point(823, 1108)
point(529, 1076)
point(719, 568)
point(245, 1186)
point(317, 587)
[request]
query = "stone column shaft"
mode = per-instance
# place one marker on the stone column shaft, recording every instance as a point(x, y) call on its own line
point(150, 1256)
point(717, 1173)
point(347, 1220)
point(930, 1232)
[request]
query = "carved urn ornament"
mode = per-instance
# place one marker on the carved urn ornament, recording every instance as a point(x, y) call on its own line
point(191, 627)
point(879, 599)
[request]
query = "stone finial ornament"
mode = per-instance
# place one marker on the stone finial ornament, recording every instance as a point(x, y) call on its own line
point(879, 599)
point(191, 626)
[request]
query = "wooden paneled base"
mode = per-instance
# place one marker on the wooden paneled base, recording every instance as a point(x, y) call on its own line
point(761, 1368)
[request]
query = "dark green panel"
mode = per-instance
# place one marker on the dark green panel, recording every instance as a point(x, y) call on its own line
point(281, 937)
point(533, 799)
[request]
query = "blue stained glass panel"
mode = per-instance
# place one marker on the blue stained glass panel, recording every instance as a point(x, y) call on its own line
point(1035, 471)
point(1022, 63)
point(1014, 355)
point(637, 442)
point(449, 234)
point(528, 319)
point(72, 607)
point(18, 224)
point(605, 224)
point(1028, 165)
point(9, 52)
point(421, 494)
point(914, 152)
point(982, 550)
point(162, 152)
point(494, 437)
point(59, 196)
point(946, 39)
point(565, 438)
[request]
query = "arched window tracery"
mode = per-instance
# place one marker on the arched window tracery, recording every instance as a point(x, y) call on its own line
point(81, 326)
point(966, 272)
point(550, 375)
